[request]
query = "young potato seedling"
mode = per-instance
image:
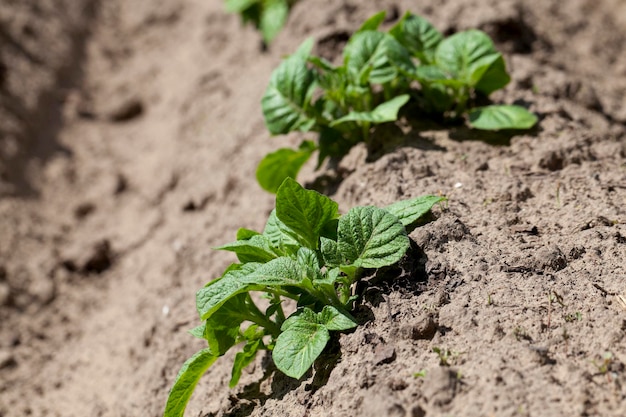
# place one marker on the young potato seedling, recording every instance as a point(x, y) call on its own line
point(307, 253)
point(379, 74)
point(268, 16)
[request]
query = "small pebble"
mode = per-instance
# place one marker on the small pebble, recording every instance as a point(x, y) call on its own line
point(384, 354)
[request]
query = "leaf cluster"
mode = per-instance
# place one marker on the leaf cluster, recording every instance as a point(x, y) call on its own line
point(268, 16)
point(380, 73)
point(308, 254)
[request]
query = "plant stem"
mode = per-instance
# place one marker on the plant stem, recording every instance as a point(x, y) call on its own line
point(280, 314)
point(365, 131)
point(257, 317)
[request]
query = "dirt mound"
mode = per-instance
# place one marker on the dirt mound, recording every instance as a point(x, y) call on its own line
point(131, 151)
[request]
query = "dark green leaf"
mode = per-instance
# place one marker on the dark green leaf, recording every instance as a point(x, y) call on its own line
point(409, 211)
point(300, 343)
point(243, 359)
point(437, 98)
point(369, 56)
point(467, 55)
point(499, 117)
point(332, 143)
point(252, 14)
point(288, 97)
point(418, 36)
point(385, 112)
point(186, 381)
point(333, 319)
point(222, 329)
point(330, 229)
point(303, 211)
point(244, 234)
point(283, 163)
point(370, 237)
point(494, 78)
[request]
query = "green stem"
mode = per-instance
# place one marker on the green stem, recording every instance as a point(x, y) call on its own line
point(329, 295)
point(281, 293)
point(280, 314)
point(365, 131)
point(345, 294)
point(257, 317)
point(461, 96)
point(388, 91)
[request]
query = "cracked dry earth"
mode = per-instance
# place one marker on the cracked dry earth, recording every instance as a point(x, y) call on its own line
point(129, 137)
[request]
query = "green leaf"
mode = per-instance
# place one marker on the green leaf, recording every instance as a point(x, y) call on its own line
point(244, 234)
point(280, 235)
point(332, 143)
point(373, 57)
point(197, 331)
point(237, 6)
point(304, 314)
point(437, 98)
point(373, 22)
point(252, 277)
point(243, 359)
point(222, 329)
point(329, 230)
point(494, 78)
point(418, 36)
point(430, 74)
point(305, 48)
point(333, 319)
point(310, 263)
point(257, 248)
point(304, 211)
point(321, 63)
point(308, 258)
point(300, 343)
point(186, 381)
point(370, 237)
point(283, 163)
point(273, 18)
point(499, 117)
point(330, 278)
point(330, 252)
point(467, 55)
point(409, 211)
point(287, 100)
point(385, 112)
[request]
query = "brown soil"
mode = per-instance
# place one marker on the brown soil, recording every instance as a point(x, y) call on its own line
point(129, 136)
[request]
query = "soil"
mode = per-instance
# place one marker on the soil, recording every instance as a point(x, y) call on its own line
point(130, 132)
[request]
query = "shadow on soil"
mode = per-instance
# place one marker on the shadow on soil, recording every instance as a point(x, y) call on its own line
point(34, 132)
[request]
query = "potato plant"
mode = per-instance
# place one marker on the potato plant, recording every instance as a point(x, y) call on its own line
point(379, 74)
point(308, 253)
point(268, 16)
